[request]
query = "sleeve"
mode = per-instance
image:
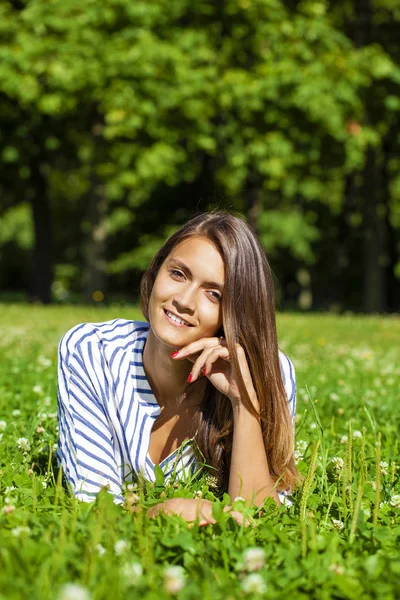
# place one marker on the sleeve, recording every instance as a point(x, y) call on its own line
point(289, 381)
point(85, 445)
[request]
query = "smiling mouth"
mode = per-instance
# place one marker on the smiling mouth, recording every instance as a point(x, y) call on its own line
point(176, 320)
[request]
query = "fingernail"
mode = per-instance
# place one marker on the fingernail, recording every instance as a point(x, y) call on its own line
point(190, 377)
point(174, 354)
point(204, 371)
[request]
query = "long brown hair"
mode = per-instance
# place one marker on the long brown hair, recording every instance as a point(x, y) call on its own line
point(248, 315)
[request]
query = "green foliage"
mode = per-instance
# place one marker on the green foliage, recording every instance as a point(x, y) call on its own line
point(326, 545)
point(199, 102)
point(16, 226)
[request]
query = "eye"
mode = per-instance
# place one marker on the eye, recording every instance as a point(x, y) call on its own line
point(176, 274)
point(215, 296)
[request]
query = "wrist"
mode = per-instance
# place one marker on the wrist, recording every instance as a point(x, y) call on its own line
point(239, 408)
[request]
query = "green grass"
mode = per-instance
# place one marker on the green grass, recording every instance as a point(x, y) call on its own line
point(340, 539)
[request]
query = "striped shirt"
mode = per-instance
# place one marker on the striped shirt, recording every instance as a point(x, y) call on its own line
point(107, 409)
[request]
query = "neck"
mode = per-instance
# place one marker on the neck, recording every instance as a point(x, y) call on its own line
point(168, 377)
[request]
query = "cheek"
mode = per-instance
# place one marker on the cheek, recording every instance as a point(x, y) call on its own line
point(212, 314)
point(162, 290)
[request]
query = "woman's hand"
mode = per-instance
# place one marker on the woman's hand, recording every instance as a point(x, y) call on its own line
point(210, 357)
point(191, 510)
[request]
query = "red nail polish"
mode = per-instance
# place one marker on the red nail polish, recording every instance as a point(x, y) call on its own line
point(204, 371)
point(174, 354)
point(190, 377)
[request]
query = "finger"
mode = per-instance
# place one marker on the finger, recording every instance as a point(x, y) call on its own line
point(199, 365)
point(215, 355)
point(205, 361)
point(196, 347)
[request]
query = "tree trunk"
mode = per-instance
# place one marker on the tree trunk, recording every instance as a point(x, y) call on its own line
point(374, 239)
point(95, 268)
point(393, 282)
point(374, 230)
point(42, 253)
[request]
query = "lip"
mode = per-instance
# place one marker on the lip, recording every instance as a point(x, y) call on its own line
point(187, 324)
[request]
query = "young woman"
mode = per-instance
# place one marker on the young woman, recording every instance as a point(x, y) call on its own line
point(200, 383)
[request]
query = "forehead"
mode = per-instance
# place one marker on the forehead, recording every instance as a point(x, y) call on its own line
point(201, 257)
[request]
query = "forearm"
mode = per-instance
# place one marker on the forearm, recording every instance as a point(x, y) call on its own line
point(249, 475)
point(192, 510)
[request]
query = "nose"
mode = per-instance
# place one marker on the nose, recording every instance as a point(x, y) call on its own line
point(185, 300)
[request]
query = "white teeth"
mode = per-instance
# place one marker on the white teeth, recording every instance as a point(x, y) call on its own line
point(177, 319)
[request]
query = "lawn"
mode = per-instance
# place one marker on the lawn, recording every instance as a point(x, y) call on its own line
point(340, 539)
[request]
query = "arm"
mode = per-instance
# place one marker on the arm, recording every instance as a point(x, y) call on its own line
point(191, 509)
point(249, 470)
point(85, 446)
point(249, 475)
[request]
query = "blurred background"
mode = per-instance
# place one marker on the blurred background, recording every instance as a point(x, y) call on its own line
point(120, 119)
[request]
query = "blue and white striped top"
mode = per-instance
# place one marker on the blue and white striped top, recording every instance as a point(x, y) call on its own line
point(107, 409)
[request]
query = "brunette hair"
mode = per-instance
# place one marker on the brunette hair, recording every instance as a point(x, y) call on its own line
point(248, 316)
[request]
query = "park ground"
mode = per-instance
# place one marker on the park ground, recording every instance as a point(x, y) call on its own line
point(339, 539)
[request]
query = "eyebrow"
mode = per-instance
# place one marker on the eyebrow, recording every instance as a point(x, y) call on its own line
point(211, 284)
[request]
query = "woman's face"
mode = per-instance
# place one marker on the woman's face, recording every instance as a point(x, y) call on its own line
point(185, 303)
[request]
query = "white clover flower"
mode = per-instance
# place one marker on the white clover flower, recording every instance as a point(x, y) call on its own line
point(384, 466)
point(298, 455)
point(131, 486)
point(23, 444)
point(334, 396)
point(395, 500)
point(44, 362)
point(16, 412)
point(73, 591)
point(239, 499)
point(338, 524)
point(338, 569)
point(100, 550)
point(211, 480)
point(382, 504)
point(313, 426)
point(47, 401)
point(253, 584)
point(174, 579)
point(3, 425)
point(357, 434)
point(53, 415)
point(9, 489)
point(54, 447)
point(301, 445)
point(132, 498)
point(344, 439)
point(37, 389)
point(7, 509)
point(44, 484)
point(373, 485)
point(338, 462)
point(198, 494)
point(40, 429)
point(132, 573)
point(18, 531)
point(253, 559)
point(120, 546)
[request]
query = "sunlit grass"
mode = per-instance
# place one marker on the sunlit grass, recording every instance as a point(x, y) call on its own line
point(340, 538)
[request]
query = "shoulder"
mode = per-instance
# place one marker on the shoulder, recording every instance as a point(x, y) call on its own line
point(115, 333)
point(288, 376)
point(287, 368)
